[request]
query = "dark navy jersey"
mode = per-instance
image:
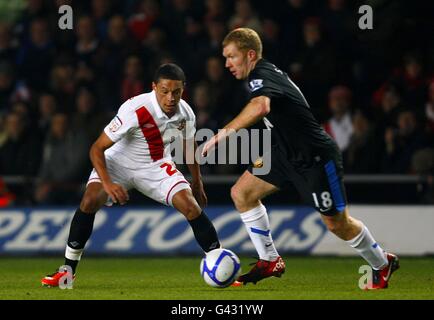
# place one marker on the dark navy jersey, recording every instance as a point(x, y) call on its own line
point(293, 126)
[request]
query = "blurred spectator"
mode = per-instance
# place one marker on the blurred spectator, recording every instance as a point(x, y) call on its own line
point(429, 109)
point(3, 134)
point(402, 143)
point(88, 46)
point(203, 108)
point(101, 13)
point(340, 125)
point(63, 84)
point(64, 163)
point(47, 107)
point(7, 50)
point(363, 151)
point(294, 13)
point(10, 11)
point(215, 10)
point(245, 16)
point(36, 56)
point(340, 27)
point(389, 108)
point(271, 43)
point(7, 85)
point(132, 83)
point(155, 48)
point(20, 154)
point(314, 67)
point(85, 118)
point(142, 21)
point(422, 163)
point(118, 46)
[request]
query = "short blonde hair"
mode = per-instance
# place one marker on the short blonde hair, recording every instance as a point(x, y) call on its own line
point(245, 39)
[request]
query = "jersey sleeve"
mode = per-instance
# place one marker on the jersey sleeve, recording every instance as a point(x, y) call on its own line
point(262, 83)
point(124, 121)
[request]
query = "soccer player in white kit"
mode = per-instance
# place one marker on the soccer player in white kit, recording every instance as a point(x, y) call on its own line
point(133, 151)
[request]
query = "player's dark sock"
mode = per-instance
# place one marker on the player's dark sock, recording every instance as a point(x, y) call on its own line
point(204, 232)
point(79, 232)
point(72, 263)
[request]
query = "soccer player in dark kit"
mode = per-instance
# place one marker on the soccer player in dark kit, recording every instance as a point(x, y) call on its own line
point(302, 154)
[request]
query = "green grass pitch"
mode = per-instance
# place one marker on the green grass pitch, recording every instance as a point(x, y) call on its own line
point(179, 278)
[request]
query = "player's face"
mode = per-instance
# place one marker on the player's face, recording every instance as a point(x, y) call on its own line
point(168, 93)
point(237, 61)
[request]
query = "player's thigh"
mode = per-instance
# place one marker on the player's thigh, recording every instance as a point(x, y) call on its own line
point(322, 187)
point(118, 174)
point(250, 187)
point(160, 181)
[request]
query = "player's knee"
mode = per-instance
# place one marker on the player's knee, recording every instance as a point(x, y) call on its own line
point(238, 196)
point(191, 211)
point(336, 226)
point(89, 204)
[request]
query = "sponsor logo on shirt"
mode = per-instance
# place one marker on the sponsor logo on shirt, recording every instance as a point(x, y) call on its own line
point(182, 124)
point(255, 84)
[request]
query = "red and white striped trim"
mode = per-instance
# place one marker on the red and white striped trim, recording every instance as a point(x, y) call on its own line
point(168, 194)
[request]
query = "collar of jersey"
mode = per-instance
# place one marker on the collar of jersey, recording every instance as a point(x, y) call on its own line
point(159, 112)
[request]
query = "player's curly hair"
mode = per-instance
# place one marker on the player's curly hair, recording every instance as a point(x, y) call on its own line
point(245, 39)
point(169, 71)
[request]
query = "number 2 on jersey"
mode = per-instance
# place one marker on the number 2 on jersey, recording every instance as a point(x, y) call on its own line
point(170, 171)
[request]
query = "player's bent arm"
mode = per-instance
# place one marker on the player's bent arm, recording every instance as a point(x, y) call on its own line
point(116, 192)
point(97, 156)
point(255, 110)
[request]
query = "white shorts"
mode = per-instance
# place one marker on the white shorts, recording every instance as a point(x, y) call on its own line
point(158, 180)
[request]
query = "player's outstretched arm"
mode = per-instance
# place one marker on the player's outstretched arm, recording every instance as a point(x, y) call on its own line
point(254, 111)
point(116, 192)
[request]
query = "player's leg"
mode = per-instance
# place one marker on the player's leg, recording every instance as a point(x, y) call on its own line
point(326, 192)
point(80, 230)
point(246, 195)
point(82, 223)
point(162, 182)
point(358, 236)
point(203, 229)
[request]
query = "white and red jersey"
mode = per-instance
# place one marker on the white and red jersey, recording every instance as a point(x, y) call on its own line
point(143, 132)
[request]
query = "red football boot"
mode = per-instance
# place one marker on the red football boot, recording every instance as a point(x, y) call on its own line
point(52, 280)
point(261, 270)
point(380, 278)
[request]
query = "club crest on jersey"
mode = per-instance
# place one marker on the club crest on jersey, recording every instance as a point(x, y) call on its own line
point(182, 124)
point(255, 84)
point(115, 124)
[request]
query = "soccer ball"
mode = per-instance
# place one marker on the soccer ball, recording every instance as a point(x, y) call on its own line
point(220, 268)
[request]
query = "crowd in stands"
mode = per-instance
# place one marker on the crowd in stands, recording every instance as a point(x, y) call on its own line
point(372, 90)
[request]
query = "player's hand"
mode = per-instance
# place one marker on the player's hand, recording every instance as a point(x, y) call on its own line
point(199, 194)
point(117, 193)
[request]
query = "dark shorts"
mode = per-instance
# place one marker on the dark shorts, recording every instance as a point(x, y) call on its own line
point(320, 184)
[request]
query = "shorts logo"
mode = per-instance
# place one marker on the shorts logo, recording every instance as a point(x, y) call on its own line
point(115, 124)
point(255, 84)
